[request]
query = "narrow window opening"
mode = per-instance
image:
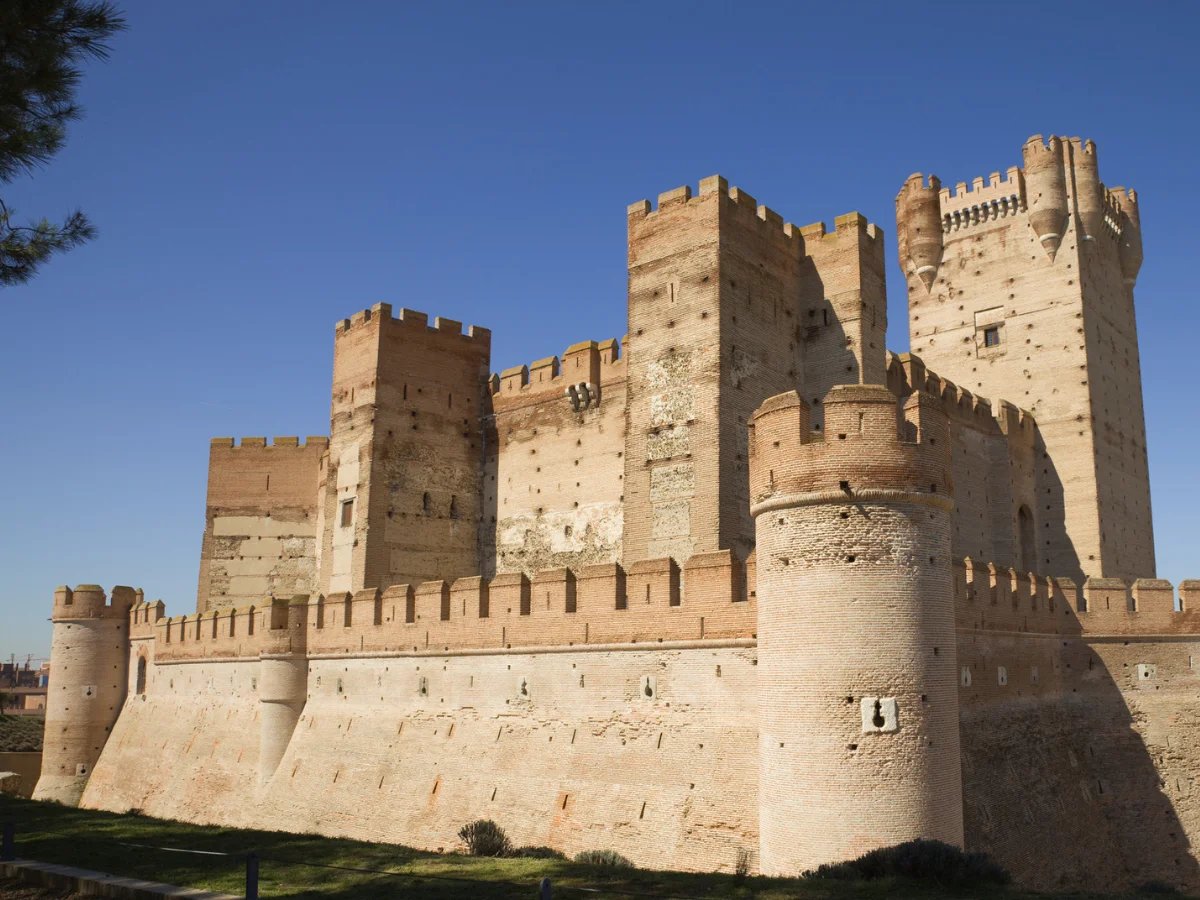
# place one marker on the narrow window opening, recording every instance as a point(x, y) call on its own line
point(347, 513)
point(991, 337)
point(141, 675)
point(825, 316)
point(410, 609)
point(425, 503)
point(453, 507)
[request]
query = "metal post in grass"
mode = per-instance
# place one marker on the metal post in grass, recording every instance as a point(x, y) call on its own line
point(544, 889)
point(8, 849)
point(252, 876)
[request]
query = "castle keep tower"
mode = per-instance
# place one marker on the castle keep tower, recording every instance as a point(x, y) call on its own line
point(728, 305)
point(90, 654)
point(401, 488)
point(858, 698)
point(1022, 290)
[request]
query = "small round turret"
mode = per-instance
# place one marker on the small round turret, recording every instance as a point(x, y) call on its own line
point(1046, 188)
point(858, 697)
point(1089, 192)
point(89, 658)
point(1130, 250)
point(919, 226)
point(283, 681)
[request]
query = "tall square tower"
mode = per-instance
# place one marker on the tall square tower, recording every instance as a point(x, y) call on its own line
point(1021, 289)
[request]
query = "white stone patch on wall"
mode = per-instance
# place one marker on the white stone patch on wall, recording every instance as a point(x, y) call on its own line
point(672, 482)
point(672, 518)
point(668, 370)
point(671, 529)
point(880, 714)
point(256, 556)
point(648, 689)
point(588, 535)
point(261, 527)
point(341, 578)
point(675, 405)
point(675, 440)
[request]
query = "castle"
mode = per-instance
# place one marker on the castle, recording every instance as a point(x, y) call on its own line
point(741, 585)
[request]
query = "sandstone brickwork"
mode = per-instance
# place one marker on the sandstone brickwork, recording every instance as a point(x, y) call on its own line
point(739, 586)
point(1022, 289)
point(260, 534)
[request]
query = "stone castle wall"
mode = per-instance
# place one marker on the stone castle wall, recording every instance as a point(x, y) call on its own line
point(260, 524)
point(1041, 265)
point(649, 748)
point(554, 469)
point(533, 596)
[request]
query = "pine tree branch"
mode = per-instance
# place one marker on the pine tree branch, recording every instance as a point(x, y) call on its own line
point(42, 45)
point(24, 248)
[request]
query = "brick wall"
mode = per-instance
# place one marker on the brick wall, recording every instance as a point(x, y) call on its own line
point(260, 528)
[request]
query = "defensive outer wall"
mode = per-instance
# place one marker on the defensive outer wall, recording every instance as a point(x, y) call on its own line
point(625, 709)
point(742, 584)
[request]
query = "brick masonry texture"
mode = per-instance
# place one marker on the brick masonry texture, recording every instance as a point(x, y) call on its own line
point(740, 584)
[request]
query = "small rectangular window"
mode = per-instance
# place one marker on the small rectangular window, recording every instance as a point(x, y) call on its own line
point(991, 337)
point(347, 513)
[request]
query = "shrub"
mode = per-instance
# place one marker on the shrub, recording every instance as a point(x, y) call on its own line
point(539, 853)
point(918, 859)
point(741, 867)
point(485, 838)
point(609, 858)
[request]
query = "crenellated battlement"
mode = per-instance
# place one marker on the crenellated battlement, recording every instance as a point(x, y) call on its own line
point(907, 373)
point(144, 617)
point(317, 442)
point(868, 448)
point(710, 597)
point(577, 376)
point(998, 598)
point(89, 601)
point(1000, 198)
point(800, 238)
point(381, 313)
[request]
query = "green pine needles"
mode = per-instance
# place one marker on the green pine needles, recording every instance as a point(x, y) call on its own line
point(42, 45)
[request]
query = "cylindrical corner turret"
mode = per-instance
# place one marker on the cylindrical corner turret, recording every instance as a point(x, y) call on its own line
point(1130, 250)
point(919, 226)
point(1046, 187)
point(1089, 192)
point(89, 656)
point(858, 696)
point(283, 681)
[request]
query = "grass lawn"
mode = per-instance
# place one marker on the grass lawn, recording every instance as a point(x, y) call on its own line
point(86, 839)
point(21, 734)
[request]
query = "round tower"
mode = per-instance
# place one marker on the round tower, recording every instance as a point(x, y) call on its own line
point(283, 681)
point(1046, 191)
point(919, 226)
point(858, 696)
point(1130, 250)
point(1089, 192)
point(89, 665)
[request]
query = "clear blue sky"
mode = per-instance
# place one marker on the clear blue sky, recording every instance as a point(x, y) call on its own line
point(261, 170)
